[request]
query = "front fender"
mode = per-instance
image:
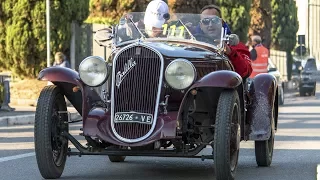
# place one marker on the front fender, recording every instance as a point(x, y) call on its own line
point(223, 79)
point(217, 79)
point(262, 97)
point(66, 79)
point(60, 74)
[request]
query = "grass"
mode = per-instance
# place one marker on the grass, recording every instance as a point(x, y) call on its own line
point(26, 89)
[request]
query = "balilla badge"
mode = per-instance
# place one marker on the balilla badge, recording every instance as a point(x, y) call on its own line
point(126, 69)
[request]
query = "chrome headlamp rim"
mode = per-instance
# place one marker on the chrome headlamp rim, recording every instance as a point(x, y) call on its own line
point(107, 69)
point(185, 61)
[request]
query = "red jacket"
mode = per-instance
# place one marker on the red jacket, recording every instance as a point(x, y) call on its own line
point(240, 58)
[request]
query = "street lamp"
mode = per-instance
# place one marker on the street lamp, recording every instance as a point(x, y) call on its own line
point(48, 31)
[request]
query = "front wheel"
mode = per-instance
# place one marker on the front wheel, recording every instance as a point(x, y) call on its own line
point(50, 145)
point(227, 135)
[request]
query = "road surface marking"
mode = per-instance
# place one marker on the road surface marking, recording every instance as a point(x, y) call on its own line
point(318, 171)
point(10, 158)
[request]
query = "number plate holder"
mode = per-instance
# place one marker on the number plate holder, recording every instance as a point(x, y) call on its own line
point(133, 117)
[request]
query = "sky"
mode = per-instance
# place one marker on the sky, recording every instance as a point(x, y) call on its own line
point(302, 16)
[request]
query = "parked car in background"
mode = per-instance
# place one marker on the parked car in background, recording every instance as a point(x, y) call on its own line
point(272, 69)
point(308, 78)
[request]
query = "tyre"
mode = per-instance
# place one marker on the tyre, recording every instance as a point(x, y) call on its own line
point(50, 145)
point(313, 91)
point(281, 96)
point(264, 149)
point(117, 158)
point(227, 135)
point(302, 92)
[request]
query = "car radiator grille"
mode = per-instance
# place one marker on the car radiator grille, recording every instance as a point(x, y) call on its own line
point(139, 89)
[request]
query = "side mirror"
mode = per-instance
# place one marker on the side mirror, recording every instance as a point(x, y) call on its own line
point(272, 69)
point(103, 36)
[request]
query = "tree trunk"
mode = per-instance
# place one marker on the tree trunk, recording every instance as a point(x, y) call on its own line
point(289, 64)
point(261, 21)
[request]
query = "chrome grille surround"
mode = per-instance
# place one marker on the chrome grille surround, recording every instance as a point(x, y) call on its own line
point(155, 114)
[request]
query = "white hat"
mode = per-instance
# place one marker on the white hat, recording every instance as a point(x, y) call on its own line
point(154, 16)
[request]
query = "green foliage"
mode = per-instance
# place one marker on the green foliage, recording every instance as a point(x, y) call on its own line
point(285, 28)
point(261, 21)
point(285, 24)
point(23, 38)
point(110, 11)
point(236, 14)
point(191, 6)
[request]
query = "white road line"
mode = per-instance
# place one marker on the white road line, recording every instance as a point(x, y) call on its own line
point(10, 158)
point(318, 171)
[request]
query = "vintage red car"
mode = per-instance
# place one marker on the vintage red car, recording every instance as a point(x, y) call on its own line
point(170, 96)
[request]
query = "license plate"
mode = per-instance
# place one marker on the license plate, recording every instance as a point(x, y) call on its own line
point(133, 117)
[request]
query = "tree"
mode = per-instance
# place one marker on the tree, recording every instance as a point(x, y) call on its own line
point(285, 28)
point(236, 14)
point(261, 21)
point(24, 37)
point(191, 6)
point(110, 11)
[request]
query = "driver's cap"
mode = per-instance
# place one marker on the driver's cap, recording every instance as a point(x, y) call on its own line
point(154, 16)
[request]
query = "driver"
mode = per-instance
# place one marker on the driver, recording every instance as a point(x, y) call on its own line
point(239, 55)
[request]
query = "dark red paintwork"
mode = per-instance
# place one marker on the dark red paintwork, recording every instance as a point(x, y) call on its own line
point(99, 118)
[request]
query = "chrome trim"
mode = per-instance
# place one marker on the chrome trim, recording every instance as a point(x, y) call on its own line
point(186, 61)
point(158, 95)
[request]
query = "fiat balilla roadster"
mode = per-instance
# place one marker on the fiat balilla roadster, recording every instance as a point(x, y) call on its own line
point(170, 96)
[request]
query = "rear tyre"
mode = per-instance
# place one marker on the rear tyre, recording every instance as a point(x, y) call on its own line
point(264, 149)
point(313, 92)
point(50, 145)
point(302, 92)
point(227, 135)
point(281, 96)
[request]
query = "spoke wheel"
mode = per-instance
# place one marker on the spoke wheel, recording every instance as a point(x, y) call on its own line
point(50, 145)
point(227, 135)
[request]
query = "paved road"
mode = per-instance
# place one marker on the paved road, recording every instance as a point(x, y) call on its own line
point(296, 155)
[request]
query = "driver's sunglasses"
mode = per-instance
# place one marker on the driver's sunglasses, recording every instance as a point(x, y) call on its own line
point(206, 21)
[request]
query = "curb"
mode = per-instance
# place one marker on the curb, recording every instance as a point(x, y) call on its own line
point(27, 119)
